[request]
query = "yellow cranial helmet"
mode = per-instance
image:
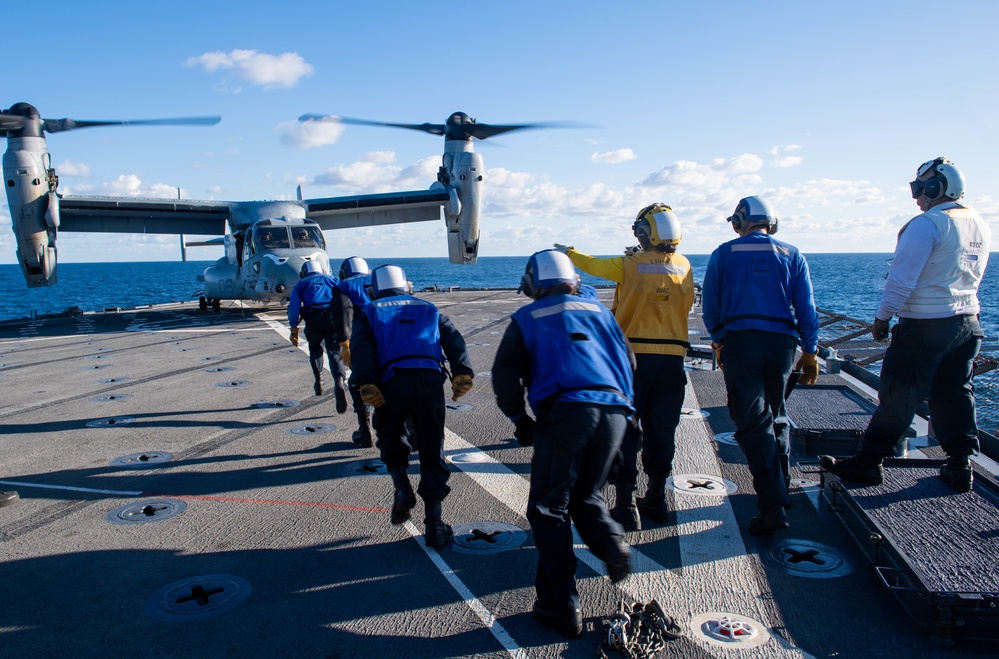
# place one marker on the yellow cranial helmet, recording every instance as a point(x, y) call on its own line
point(658, 225)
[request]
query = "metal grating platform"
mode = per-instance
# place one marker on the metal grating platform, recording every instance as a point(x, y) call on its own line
point(934, 548)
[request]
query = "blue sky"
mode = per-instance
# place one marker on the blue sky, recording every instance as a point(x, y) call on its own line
point(825, 110)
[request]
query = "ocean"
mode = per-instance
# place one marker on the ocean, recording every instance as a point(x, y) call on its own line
point(849, 284)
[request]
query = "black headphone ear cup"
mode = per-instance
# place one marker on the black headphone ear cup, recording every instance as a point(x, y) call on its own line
point(772, 229)
point(933, 188)
point(527, 285)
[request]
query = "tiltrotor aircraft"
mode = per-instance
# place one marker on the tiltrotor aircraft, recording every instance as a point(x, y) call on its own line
point(266, 242)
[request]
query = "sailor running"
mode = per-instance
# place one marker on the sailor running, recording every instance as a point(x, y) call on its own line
point(313, 298)
point(398, 347)
point(352, 289)
point(569, 353)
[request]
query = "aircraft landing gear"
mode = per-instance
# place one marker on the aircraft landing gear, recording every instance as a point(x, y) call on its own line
point(202, 303)
point(216, 306)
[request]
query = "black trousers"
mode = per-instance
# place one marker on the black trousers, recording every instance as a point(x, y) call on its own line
point(320, 334)
point(660, 385)
point(574, 447)
point(756, 365)
point(416, 394)
point(934, 358)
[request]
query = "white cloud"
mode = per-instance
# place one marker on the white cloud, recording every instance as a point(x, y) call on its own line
point(613, 157)
point(776, 149)
point(77, 169)
point(787, 161)
point(261, 69)
point(312, 133)
point(130, 185)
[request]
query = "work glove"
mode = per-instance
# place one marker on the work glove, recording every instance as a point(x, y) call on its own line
point(879, 329)
point(563, 248)
point(525, 430)
point(460, 385)
point(294, 336)
point(717, 347)
point(809, 368)
point(345, 353)
point(372, 395)
point(634, 249)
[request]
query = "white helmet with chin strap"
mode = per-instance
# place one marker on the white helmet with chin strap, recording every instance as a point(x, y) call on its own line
point(354, 265)
point(936, 179)
point(751, 212)
point(545, 269)
point(310, 268)
point(389, 280)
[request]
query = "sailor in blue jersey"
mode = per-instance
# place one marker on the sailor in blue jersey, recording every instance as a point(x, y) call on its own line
point(313, 299)
point(757, 304)
point(932, 287)
point(398, 347)
point(355, 278)
point(569, 353)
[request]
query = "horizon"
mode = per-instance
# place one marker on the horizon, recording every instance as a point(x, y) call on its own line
point(825, 118)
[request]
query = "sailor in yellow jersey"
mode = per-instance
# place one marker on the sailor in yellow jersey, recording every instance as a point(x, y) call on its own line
point(655, 291)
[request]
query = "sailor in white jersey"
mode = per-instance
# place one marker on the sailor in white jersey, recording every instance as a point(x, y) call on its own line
point(932, 287)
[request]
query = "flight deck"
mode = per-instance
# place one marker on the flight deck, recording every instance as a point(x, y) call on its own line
point(184, 493)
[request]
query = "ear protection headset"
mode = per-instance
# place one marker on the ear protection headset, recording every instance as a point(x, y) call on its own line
point(934, 187)
point(751, 211)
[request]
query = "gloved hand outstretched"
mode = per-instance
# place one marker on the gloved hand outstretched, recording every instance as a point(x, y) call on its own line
point(717, 347)
point(372, 395)
point(563, 248)
point(294, 336)
point(879, 329)
point(525, 430)
point(809, 368)
point(634, 249)
point(460, 385)
point(345, 353)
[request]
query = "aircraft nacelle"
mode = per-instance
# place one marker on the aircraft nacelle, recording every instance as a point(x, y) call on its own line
point(34, 207)
point(462, 170)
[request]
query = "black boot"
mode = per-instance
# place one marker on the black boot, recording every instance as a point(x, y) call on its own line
point(769, 520)
point(340, 392)
point(404, 498)
point(624, 511)
point(861, 468)
point(653, 504)
point(437, 533)
point(957, 473)
point(617, 559)
point(318, 387)
point(362, 436)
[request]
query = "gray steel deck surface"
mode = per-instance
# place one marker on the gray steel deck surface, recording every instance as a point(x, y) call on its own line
point(314, 567)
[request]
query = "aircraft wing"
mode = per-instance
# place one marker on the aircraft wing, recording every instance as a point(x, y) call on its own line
point(377, 209)
point(135, 215)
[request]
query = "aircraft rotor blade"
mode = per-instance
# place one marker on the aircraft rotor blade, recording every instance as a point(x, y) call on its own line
point(10, 122)
point(485, 131)
point(434, 129)
point(60, 125)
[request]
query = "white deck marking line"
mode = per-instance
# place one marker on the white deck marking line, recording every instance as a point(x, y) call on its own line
point(123, 493)
point(714, 562)
point(477, 607)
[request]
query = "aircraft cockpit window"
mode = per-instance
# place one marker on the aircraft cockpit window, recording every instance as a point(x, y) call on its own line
point(307, 236)
point(271, 238)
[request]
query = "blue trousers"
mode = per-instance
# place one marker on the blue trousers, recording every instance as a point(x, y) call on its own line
point(659, 390)
point(756, 365)
point(574, 447)
point(931, 358)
